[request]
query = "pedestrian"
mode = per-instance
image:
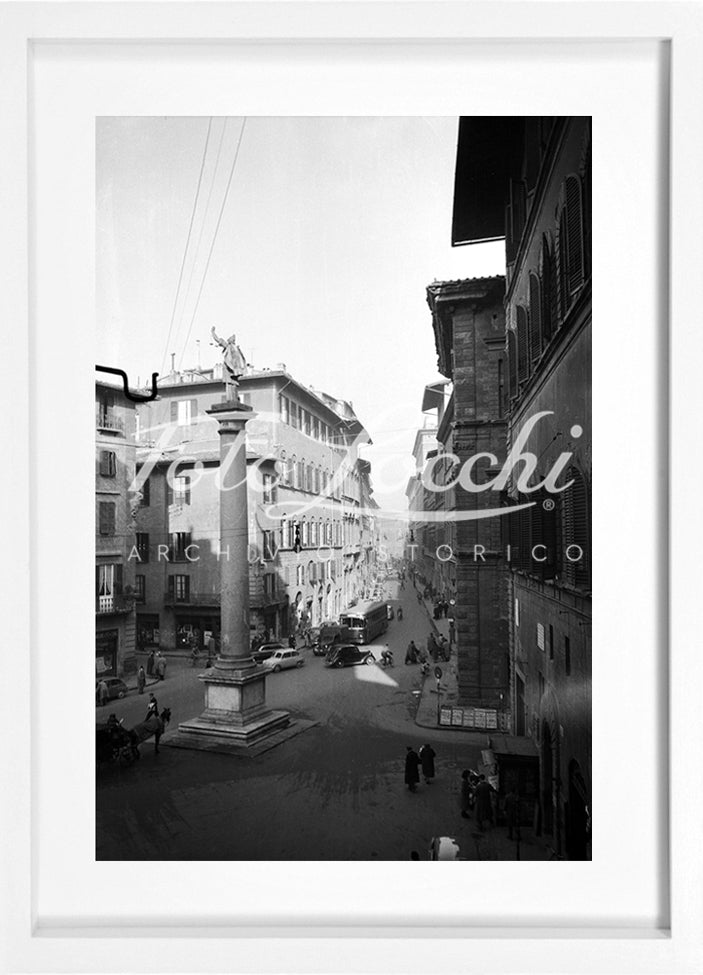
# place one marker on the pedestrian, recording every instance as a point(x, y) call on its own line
point(412, 765)
point(451, 630)
point(484, 802)
point(211, 650)
point(291, 641)
point(466, 796)
point(427, 757)
point(141, 680)
point(150, 664)
point(400, 613)
point(411, 653)
point(432, 645)
point(161, 667)
point(103, 693)
point(443, 648)
point(152, 708)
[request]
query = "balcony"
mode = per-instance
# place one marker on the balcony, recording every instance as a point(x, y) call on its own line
point(109, 422)
point(105, 605)
point(205, 599)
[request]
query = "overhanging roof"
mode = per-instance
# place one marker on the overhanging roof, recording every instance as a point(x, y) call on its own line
point(488, 153)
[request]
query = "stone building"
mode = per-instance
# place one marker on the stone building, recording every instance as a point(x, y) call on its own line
point(115, 461)
point(469, 327)
point(311, 539)
point(529, 180)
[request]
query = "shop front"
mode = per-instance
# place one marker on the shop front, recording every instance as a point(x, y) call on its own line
point(194, 630)
point(106, 647)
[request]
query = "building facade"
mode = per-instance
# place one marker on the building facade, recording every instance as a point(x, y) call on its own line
point(538, 196)
point(115, 466)
point(312, 541)
point(468, 321)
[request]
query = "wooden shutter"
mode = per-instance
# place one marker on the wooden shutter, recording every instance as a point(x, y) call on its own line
point(193, 409)
point(535, 318)
point(548, 309)
point(562, 269)
point(118, 579)
point(104, 463)
point(574, 233)
point(97, 580)
point(171, 588)
point(174, 411)
point(512, 362)
point(581, 530)
point(522, 344)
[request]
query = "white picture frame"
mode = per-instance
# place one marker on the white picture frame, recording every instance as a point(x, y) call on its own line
point(102, 941)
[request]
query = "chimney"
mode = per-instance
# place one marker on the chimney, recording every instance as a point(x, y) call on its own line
point(173, 362)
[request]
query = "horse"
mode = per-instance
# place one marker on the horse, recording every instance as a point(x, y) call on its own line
point(155, 725)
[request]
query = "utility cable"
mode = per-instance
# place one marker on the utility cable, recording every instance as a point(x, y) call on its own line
point(185, 251)
point(214, 237)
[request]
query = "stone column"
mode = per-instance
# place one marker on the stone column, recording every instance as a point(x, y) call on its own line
point(235, 715)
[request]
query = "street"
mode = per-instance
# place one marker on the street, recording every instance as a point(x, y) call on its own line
point(334, 792)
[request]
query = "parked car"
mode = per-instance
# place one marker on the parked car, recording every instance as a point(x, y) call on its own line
point(115, 687)
point(265, 651)
point(349, 654)
point(280, 659)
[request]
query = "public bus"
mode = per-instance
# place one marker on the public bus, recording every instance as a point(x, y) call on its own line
point(365, 621)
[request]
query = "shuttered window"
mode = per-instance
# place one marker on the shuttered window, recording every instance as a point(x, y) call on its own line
point(106, 518)
point(522, 344)
point(143, 546)
point(179, 493)
point(179, 589)
point(562, 271)
point(184, 411)
point(535, 323)
point(574, 227)
point(512, 362)
point(576, 532)
point(108, 463)
point(549, 310)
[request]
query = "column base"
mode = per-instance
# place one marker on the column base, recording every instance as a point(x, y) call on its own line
point(235, 713)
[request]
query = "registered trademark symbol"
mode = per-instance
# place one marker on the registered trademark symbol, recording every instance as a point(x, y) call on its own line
point(548, 505)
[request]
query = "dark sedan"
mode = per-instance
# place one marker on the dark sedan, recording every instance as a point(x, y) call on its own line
point(347, 655)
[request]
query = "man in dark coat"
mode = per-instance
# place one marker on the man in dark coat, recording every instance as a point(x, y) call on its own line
point(484, 802)
point(427, 757)
point(412, 764)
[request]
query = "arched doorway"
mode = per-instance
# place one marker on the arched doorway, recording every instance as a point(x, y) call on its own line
point(578, 826)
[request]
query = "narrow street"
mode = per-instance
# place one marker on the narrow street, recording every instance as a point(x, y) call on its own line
point(335, 791)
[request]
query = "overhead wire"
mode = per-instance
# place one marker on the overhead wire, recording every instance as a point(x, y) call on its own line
point(214, 237)
point(203, 222)
point(185, 250)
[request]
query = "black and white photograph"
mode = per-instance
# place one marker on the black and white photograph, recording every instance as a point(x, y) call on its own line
point(343, 488)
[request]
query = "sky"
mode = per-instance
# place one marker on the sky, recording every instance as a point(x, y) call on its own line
point(317, 256)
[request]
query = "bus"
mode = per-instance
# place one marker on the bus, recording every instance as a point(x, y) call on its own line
point(365, 621)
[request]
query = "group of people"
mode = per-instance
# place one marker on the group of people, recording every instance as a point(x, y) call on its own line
point(414, 761)
point(156, 665)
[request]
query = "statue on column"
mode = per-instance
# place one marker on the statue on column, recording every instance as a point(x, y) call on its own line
point(234, 363)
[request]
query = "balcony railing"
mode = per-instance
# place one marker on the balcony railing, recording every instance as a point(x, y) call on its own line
point(193, 599)
point(109, 421)
point(114, 604)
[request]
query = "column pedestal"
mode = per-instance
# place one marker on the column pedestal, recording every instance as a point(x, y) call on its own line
point(235, 711)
